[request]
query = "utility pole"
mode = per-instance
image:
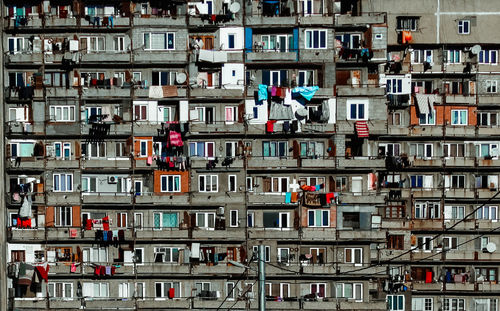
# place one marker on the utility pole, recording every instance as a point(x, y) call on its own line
point(262, 279)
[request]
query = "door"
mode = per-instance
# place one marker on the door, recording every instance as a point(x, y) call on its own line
point(282, 44)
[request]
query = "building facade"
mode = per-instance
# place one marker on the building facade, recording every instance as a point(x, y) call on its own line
point(151, 146)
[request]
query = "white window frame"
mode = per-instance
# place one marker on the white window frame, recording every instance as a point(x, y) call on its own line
point(310, 33)
point(56, 186)
point(353, 256)
point(448, 304)
point(315, 225)
point(459, 120)
point(234, 114)
point(148, 45)
point(18, 44)
point(318, 285)
point(53, 290)
point(231, 293)
point(394, 85)
point(232, 179)
point(451, 56)
point(143, 291)
point(138, 225)
point(340, 291)
point(488, 212)
point(394, 306)
point(428, 120)
point(167, 179)
point(486, 56)
point(119, 44)
point(143, 152)
point(426, 303)
point(421, 56)
point(206, 216)
point(450, 243)
point(214, 179)
point(70, 109)
point(205, 149)
point(355, 103)
point(427, 244)
point(161, 227)
point(267, 252)
point(168, 254)
point(448, 155)
point(250, 215)
point(462, 25)
point(453, 212)
point(281, 260)
point(93, 43)
point(164, 290)
point(491, 86)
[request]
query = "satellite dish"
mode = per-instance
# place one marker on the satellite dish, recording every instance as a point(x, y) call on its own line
point(234, 7)
point(180, 77)
point(476, 49)
point(491, 247)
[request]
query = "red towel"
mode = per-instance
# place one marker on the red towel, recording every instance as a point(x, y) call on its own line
point(44, 273)
point(329, 197)
point(88, 224)
point(105, 223)
point(428, 277)
point(171, 293)
point(270, 126)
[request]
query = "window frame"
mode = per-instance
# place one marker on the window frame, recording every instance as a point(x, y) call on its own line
point(147, 43)
point(165, 180)
point(309, 39)
point(464, 26)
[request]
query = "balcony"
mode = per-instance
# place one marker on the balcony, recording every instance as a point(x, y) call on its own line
point(422, 286)
point(256, 162)
point(164, 234)
point(216, 127)
point(109, 303)
point(216, 92)
point(214, 304)
point(365, 197)
point(460, 131)
point(363, 235)
point(272, 198)
point(162, 304)
point(273, 233)
point(271, 56)
point(105, 57)
point(103, 93)
point(361, 162)
point(426, 162)
point(365, 18)
point(460, 193)
point(106, 198)
point(163, 199)
point(461, 162)
point(369, 305)
point(365, 90)
point(319, 234)
point(63, 198)
point(426, 131)
point(104, 163)
point(220, 198)
point(160, 21)
point(459, 287)
point(30, 303)
point(323, 162)
point(155, 57)
point(222, 268)
point(36, 234)
point(460, 99)
point(162, 268)
point(389, 254)
point(375, 127)
point(488, 162)
point(427, 224)
point(266, 21)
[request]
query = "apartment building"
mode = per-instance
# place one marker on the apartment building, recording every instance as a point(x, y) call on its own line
point(151, 146)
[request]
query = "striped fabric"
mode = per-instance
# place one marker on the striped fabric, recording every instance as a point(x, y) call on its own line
point(362, 129)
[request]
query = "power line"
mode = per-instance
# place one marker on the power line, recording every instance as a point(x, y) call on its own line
point(428, 241)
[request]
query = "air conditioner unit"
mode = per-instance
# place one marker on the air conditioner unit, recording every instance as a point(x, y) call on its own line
point(112, 179)
point(220, 210)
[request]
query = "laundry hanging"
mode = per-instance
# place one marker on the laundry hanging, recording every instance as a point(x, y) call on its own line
point(362, 129)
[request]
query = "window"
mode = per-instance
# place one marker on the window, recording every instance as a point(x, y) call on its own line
point(453, 56)
point(487, 150)
point(60, 290)
point(349, 41)
point(454, 212)
point(312, 149)
point(395, 212)
point(249, 184)
point(202, 149)
point(454, 150)
point(491, 86)
point(121, 220)
point(124, 290)
point(319, 289)
point(453, 304)
point(250, 219)
point(350, 291)
point(89, 184)
point(171, 183)
point(231, 183)
point(140, 112)
point(138, 221)
point(421, 56)
point(315, 39)
point(428, 118)
point(94, 150)
point(395, 241)
point(166, 254)
point(389, 149)
point(357, 110)
point(231, 114)
point(421, 151)
point(230, 40)
point(164, 78)
point(487, 213)
point(274, 148)
point(96, 290)
point(233, 218)
point(140, 290)
point(394, 118)
point(63, 216)
point(267, 253)
point(427, 210)
point(95, 255)
point(422, 304)
point(279, 184)
point(450, 243)
point(63, 183)
point(354, 256)
point(62, 150)
point(305, 78)
point(92, 44)
point(162, 289)
point(62, 113)
point(165, 220)
point(457, 181)
point(230, 291)
point(119, 44)
point(143, 148)
point(16, 45)
point(202, 287)
point(202, 115)
point(421, 181)
point(487, 182)
point(489, 274)
point(205, 220)
point(487, 118)
point(276, 219)
point(341, 183)
point(424, 243)
point(394, 86)
point(318, 218)
point(277, 43)
point(407, 23)
point(485, 304)
point(464, 27)
point(488, 57)
point(208, 183)
point(159, 41)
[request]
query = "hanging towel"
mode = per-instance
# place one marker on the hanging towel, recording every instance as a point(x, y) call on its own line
point(294, 197)
point(270, 126)
point(169, 91)
point(317, 187)
point(149, 160)
point(262, 92)
point(73, 268)
point(428, 277)
point(273, 90)
point(288, 197)
point(175, 139)
point(155, 91)
point(73, 233)
point(329, 197)
point(362, 129)
point(306, 91)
